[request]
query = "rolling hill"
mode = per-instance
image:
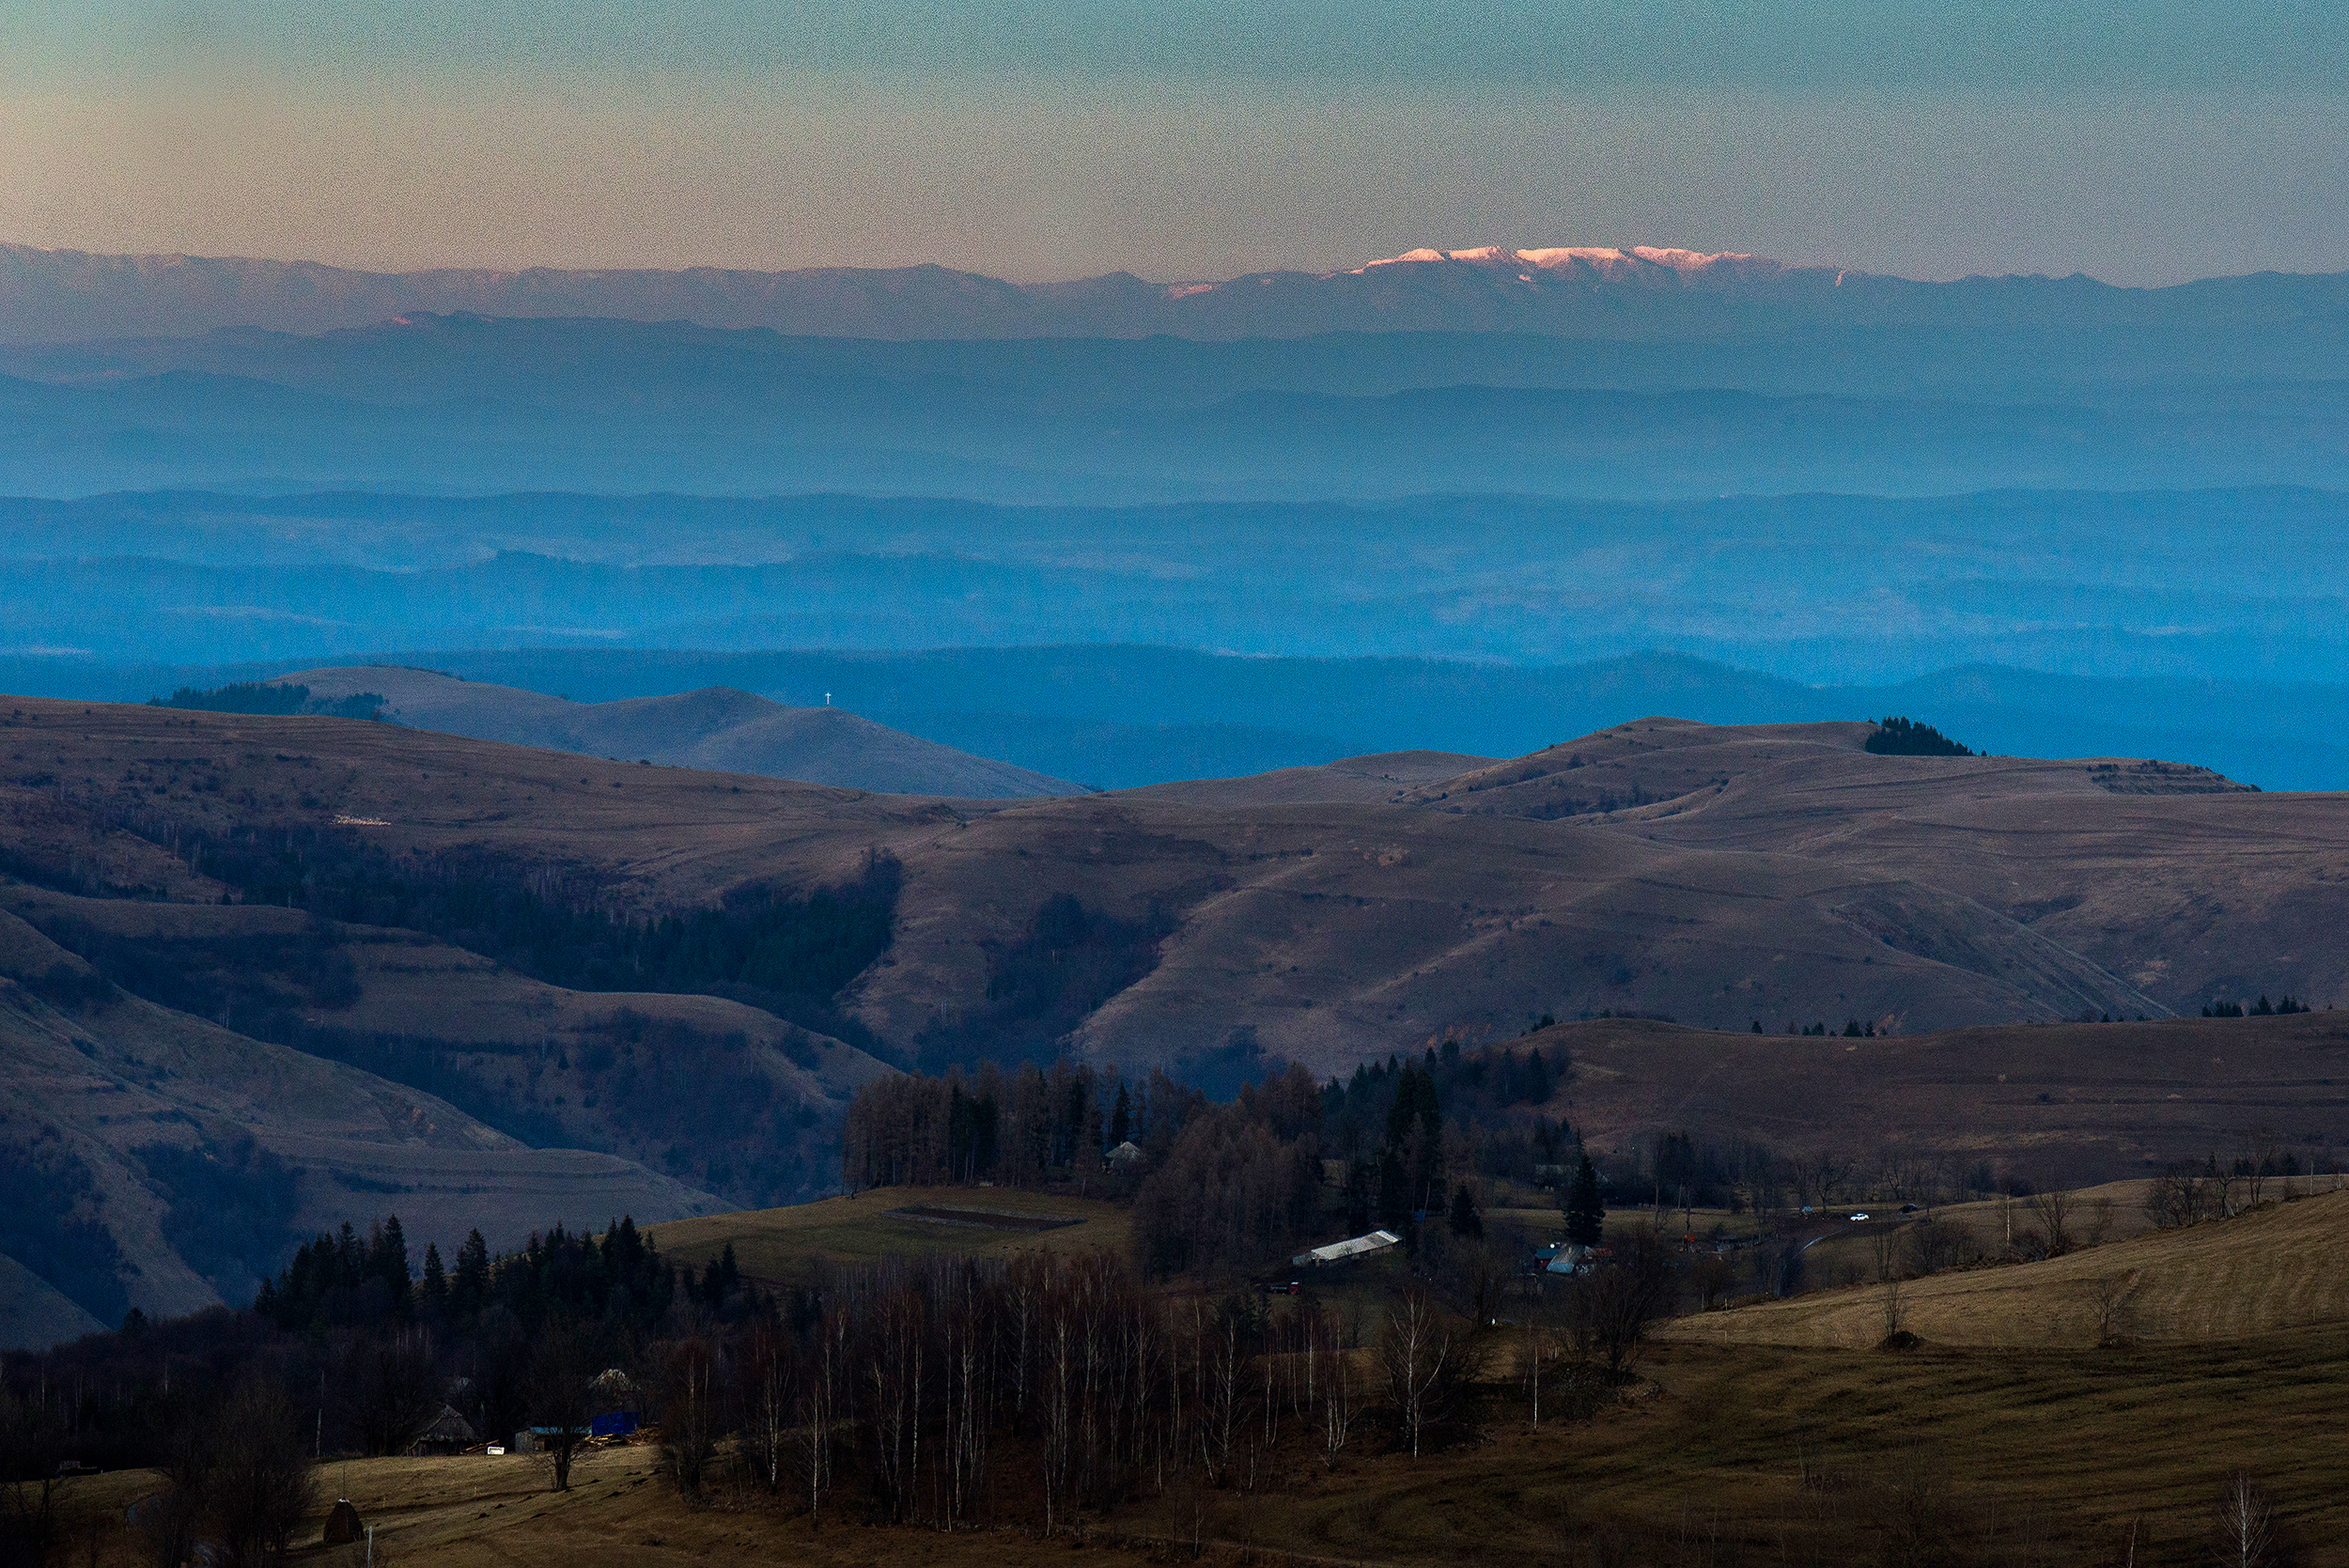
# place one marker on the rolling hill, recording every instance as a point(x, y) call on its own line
point(2264, 1272)
point(715, 728)
point(170, 1158)
point(2056, 1104)
point(1717, 875)
point(476, 955)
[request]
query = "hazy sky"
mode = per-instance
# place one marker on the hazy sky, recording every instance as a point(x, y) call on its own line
point(2144, 142)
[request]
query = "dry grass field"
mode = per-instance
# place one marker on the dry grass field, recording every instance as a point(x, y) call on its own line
point(2284, 1265)
point(1754, 1453)
point(775, 1244)
point(2062, 1103)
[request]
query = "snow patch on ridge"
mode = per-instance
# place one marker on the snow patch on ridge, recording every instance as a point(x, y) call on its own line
point(1605, 260)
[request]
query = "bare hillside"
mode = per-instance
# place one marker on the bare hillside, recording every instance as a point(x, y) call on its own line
point(2059, 1103)
point(717, 727)
point(691, 969)
point(176, 1135)
point(1725, 877)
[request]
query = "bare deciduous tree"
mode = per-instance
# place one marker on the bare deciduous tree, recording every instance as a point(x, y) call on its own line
point(769, 1381)
point(690, 1416)
point(2110, 1298)
point(29, 1451)
point(1613, 1308)
point(1895, 1309)
point(1889, 1248)
point(2054, 1212)
point(262, 1478)
point(1412, 1353)
point(821, 1392)
point(2255, 1161)
point(1912, 1510)
point(1536, 1348)
point(1336, 1380)
point(1934, 1245)
point(2246, 1525)
point(1714, 1277)
point(562, 1399)
point(391, 1385)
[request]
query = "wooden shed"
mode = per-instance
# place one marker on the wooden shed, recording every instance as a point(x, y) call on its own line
point(449, 1432)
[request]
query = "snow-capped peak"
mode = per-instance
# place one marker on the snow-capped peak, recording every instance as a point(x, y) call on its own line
point(1606, 260)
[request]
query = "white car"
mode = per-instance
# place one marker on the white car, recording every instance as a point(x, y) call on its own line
point(1860, 1216)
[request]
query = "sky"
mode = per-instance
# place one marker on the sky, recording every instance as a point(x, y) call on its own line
point(2143, 143)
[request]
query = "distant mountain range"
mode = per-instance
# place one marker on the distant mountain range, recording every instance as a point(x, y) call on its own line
point(1595, 291)
point(1563, 372)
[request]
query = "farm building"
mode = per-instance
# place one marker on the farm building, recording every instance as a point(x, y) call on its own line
point(1573, 1258)
point(449, 1432)
point(1346, 1251)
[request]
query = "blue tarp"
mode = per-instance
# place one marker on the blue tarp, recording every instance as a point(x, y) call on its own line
point(617, 1424)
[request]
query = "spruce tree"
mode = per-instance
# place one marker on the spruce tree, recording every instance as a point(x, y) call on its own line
point(387, 1259)
point(471, 1292)
point(435, 1292)
point(1466, 1221)
point(1586, 1212)
point(1122, 1117)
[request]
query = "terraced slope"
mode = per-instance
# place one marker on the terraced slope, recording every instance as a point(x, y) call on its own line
point(91, 1086)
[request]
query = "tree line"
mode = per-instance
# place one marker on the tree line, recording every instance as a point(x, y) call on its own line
point(1039, 1391)
point(271, 696)
point(1289, 1162)
point(2260, 1009)
point(1901, 737)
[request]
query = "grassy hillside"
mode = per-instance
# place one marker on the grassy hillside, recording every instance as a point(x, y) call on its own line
point(1715, 876)
point(781, 1244)
point(568, 950)
point(1740, 1455)
point(2276, 1268)
point(2062, 1103)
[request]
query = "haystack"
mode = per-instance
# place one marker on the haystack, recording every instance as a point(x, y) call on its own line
point(343, 1528)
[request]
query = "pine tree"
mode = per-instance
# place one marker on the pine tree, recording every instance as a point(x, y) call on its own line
point(729, 1273)
point(387, 1259)
point(1586, 1212)
point(1359, 1196)
point(435, 1292)
point(1394, 1194)
point(1466, 1221)
point(1122, 1118)
point(471, 1292)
